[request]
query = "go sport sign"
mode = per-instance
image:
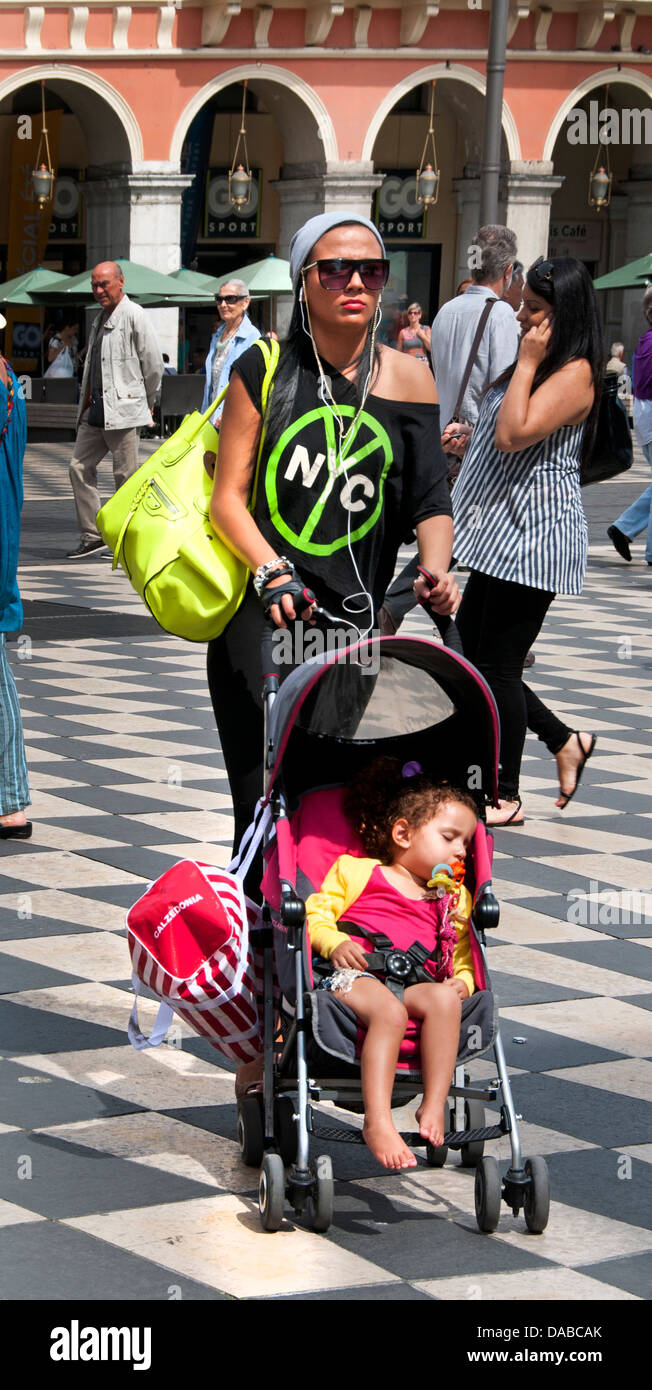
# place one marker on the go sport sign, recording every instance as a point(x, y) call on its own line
point(398, 214)
point(221, 218)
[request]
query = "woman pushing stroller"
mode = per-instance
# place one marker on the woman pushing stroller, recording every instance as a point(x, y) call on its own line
point(416, 834)
point(350, 464)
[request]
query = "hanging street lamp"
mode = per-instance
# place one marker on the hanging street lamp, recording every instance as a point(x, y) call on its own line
point(43, 173)
point(240, 174)
point(601, 177)
point(428, 175)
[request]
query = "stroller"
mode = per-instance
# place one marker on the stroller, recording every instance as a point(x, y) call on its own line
point(330, 718)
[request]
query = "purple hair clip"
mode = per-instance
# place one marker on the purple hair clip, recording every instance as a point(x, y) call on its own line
point(411, 770)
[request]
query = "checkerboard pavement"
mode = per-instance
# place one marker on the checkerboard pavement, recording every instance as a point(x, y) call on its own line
point(121, 1175)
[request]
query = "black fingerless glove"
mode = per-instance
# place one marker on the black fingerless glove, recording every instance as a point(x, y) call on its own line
point(293, 585)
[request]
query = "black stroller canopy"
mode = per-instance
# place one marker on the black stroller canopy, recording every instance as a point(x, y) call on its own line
point(404, 696)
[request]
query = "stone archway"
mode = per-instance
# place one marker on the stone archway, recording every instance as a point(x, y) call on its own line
point(435, 72)
point(609, 238)
point(429, 254)
point(116, 139)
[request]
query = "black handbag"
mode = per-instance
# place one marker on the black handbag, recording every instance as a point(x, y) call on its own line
point(613, 450)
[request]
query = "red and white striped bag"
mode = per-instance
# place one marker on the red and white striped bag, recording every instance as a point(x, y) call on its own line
point(189, 942)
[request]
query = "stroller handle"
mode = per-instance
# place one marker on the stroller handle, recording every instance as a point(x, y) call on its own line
point(448, 631)
point(446, 626)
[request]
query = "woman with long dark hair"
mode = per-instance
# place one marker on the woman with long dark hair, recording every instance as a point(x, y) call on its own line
point(519, 520)
point(350, 464)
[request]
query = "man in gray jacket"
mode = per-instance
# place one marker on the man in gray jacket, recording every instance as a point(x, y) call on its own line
point(122, 374)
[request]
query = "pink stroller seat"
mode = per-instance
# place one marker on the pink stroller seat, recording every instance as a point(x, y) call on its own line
point(317, 833)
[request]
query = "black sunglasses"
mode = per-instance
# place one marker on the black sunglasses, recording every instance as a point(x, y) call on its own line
point(542, 269)
point(335, 274)
point(229, 298)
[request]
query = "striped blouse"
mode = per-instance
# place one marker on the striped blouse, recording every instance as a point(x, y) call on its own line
point(519, 516)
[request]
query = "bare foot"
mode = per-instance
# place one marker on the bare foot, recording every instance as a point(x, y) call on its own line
point(387, 1146)
point(570, 761)
point(16, 818)
point(247, 1075)
point(431, 1119)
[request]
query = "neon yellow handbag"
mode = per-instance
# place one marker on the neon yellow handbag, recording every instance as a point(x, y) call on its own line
point(158, 527)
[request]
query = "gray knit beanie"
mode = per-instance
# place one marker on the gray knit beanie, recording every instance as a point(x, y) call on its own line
point(306, 237)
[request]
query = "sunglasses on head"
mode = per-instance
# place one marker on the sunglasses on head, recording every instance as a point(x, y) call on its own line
point(335, 274)
point(542, 269)
point(229, 298)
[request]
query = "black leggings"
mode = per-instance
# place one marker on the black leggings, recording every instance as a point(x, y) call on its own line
point(498, 622)
point(235, 678)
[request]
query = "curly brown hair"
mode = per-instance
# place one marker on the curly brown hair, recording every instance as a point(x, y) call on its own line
point(380, 795)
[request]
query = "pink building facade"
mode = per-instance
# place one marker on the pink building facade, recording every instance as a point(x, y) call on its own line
point(337, 113)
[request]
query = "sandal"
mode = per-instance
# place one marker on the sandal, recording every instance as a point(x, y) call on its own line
point(515, 819)
point(586, 754)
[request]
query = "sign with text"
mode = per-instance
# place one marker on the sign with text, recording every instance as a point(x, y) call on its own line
point(397, 213)
point(221, 218)
point(583, 240)
point(67, 221)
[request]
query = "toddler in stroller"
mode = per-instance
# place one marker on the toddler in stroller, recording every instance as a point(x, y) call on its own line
point(414, 831)
point(325, 725)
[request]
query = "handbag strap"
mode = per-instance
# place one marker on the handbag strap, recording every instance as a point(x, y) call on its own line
point(270, 353)
point(488, 306)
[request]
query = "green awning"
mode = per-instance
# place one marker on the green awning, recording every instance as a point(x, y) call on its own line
point(21, 289)
point(141, 282)
point(629, 277)
point(271, 276)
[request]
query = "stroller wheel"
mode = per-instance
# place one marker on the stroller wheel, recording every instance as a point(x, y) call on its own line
point(488, 1194)
point(320, 1203)
point(473, 1119)
point(250, 1131)
point(436, 1155)
point(536, 1205)
point(286, 1129)
point(271, 1192)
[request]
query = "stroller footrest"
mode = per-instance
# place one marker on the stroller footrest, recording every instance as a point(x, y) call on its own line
point(454, 1139)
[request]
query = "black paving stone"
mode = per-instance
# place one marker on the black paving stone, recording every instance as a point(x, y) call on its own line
point(44, 1261)
point(367, 1293)
point(71, 1180)
point(118, 894)
point(414, 1246)
point(622, 957)
point(546, 1051)
point(531, 874)
point(590, 1180)
point(511, 990)
point(587, 1112)
point(91, 774)
point(25, 1030)
point(560, 907)
point(524, 846)
point(119, 801)
point(32, 1099)
point(642, 1001)
point(17, 974)
point(8, 884)
point(132, 859)
point(124, 830)
point(14, 928)
point(636, 802)
point(633, 1273)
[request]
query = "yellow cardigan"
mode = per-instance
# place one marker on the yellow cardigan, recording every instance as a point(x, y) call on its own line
point(343, 885)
